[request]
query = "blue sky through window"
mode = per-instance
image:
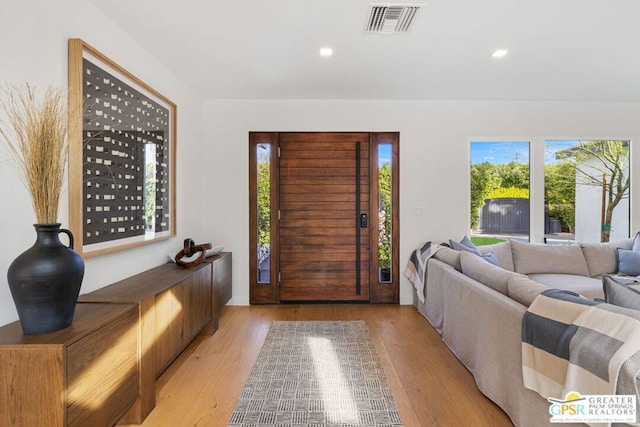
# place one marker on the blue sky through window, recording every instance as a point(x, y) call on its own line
point(384, 154)
point(553, 146)
point(503, 152)
point(499, 153)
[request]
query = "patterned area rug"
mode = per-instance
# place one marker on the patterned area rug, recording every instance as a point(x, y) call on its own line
point(315, 374)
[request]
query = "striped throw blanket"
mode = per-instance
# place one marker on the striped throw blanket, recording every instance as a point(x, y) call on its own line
point(416, 269)
point(570, 343)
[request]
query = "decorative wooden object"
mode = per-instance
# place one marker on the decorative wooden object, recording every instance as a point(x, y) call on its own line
point(83, 375)
point(190, 249)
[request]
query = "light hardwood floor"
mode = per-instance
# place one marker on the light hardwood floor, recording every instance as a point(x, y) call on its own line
point(430, 386)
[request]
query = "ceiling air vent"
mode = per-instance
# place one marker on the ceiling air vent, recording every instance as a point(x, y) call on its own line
point(391, 18)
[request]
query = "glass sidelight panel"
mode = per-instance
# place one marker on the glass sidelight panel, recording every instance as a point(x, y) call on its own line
point(263, 173)
point(384, 213)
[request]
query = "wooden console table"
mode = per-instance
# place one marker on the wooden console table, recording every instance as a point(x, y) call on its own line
point(175, 304)
point(83, 375)
point(103, 368)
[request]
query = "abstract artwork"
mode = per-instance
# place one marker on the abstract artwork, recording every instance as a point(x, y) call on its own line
point(122, 156)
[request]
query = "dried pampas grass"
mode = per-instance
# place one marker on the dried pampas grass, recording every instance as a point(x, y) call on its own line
point(35, 132)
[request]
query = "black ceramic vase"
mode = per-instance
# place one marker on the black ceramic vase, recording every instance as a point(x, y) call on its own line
point(45, 281)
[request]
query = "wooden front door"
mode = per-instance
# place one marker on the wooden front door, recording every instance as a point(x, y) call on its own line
point(324, 217)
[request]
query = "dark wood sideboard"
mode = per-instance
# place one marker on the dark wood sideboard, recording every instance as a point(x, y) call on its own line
point(167, 307)
point(222, 283)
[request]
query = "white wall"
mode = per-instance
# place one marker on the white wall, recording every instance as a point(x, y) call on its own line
point(434, 157)
point(33, 48)
point(212, 180)
point(589, 204)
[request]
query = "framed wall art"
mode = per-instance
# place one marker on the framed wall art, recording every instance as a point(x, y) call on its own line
point(122, 151)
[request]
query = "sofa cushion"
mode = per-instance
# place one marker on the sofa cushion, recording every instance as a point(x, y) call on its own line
point(628, 262)
point(502, 251)
point(623, 294)
point(450, 256)
point(585, 286)
point(484, 272)
point(541, 258)
point(523, 289)
point(464, 245)
point(601, 257)
point(635, 242)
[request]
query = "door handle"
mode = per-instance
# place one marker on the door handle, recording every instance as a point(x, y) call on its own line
point(363, 220)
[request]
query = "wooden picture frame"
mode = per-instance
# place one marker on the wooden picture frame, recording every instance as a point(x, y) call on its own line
point(122, 151)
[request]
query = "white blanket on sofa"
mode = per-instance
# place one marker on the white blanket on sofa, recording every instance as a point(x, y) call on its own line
point(416, 269)
point(571, 343)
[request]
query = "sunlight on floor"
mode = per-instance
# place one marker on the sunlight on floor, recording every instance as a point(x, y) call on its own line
point(339, 405)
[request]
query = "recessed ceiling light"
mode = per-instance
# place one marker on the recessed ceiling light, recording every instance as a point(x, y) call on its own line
point(500, 53)
point(326, 51)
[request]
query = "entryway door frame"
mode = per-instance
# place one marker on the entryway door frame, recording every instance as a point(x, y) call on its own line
point(264, 149)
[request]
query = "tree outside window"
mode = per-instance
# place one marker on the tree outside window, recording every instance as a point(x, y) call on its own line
point(264, 211)
point(598, 173)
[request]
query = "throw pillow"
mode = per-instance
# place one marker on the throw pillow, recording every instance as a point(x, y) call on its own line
point(601, 257)
point(621, 294)
point(492, 258)
point(628, 262)
point(541, 258)
point(502, 251)
point(465, 245)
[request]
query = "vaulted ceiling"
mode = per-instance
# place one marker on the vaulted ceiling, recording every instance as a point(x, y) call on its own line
point(256, 49)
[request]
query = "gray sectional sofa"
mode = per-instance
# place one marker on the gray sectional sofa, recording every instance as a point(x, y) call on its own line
point(477, 308)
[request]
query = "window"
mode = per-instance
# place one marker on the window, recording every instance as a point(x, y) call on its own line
point(499, 197)
point(263, 190)
point(384, 213)
point(586, 190)
point(263, 217)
